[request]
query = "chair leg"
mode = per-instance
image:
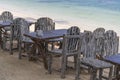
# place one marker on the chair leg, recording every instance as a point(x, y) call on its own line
point(110, 73)
point(11, 45)
point(75, 61)
point(28, 48)
point(4, 43)
point(32, 52)
point(24, 47)
point(50, 64)
point(117, 73)
point(77, 76)
point(63, 66)
point(19, 43)
point(114, 70)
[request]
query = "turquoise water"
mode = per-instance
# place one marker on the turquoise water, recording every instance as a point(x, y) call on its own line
point(87, 14)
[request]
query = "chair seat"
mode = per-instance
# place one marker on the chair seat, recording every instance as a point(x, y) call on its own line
point(95, 63)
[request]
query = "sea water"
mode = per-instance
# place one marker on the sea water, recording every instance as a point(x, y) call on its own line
point(87, 14)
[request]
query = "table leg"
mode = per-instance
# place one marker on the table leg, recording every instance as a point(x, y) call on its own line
point(42, 48)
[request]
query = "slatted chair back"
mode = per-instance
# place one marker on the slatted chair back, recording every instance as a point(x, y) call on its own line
point(111, 43)
point(86, 44)
point(44, 24)
point(6, 16)
point(71, 41)
point(98, 41)
point(19, 27)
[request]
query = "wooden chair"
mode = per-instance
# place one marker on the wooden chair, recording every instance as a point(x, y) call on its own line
point(18, 28)
point(111, 45)
point(86, 45)
point(71, 44)
point(96, 47)
point(44, 24)
point(6, 16)
point(86, 49)
point(98, 40)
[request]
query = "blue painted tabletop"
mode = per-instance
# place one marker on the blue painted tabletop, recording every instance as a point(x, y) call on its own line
point(4, 24)
point(115, 59)
point(48, 34)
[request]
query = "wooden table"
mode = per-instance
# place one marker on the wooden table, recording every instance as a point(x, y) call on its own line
point(115, 59)
point(41, 40)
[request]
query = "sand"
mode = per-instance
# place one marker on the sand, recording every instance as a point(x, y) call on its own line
point(11, 68)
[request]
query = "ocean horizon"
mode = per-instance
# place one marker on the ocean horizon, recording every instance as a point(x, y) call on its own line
point(87, 14)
